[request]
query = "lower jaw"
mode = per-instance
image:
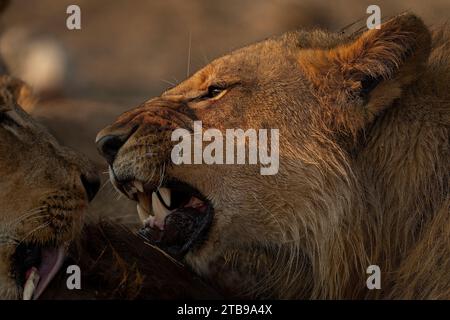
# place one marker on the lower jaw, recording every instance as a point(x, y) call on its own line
point(176, 216)
point(236, 272)
point(37, 267)
point(184, 231)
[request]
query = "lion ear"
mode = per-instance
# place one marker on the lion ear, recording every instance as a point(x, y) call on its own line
point(19, 92)
point(375, 66)
point(25, 96)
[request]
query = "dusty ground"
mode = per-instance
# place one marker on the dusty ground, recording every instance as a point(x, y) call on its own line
point(128, 51)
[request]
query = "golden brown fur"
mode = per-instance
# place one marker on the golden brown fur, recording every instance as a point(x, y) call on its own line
point(364, 170)
point(42, 193)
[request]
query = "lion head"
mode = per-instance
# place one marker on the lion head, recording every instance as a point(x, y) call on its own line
point(351, 127)
point(44, 191)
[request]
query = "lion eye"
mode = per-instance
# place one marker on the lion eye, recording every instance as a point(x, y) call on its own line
point(213, 91)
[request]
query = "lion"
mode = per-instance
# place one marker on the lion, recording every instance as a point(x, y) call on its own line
point(363, 174)
point(44, 193)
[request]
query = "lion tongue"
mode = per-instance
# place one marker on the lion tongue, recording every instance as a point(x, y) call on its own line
point(37, 279)
point(160, 210)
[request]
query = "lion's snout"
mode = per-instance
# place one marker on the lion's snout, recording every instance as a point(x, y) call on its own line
point(149, 124)
point(109, 143)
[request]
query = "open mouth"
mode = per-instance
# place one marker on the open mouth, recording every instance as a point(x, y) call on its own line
point(176, 216)
point(34, 266)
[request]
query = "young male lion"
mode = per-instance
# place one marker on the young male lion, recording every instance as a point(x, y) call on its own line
point(364, 166)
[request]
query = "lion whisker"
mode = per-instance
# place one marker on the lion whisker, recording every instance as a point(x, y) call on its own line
point(104, 185)
point(25, 216)
point(188, 71)
point(40, 227)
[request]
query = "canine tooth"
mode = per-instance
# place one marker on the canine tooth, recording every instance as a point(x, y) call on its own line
point(159, 210)
point(139, 186)
point(31, 284)
point(143, 215)
point(165, 194)
point(144, 202)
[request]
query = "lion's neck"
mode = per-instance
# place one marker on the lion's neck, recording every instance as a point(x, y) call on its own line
point(402, 174)
point(405, 171)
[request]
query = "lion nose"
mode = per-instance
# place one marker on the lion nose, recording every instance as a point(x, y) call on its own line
point(109, 146)
point(109, 142)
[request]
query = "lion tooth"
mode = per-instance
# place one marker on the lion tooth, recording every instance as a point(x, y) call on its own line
point(139, 186)
point(144, 202)
point(143, 215)
point(30, 284)
point(165, 194)
point(159, 210)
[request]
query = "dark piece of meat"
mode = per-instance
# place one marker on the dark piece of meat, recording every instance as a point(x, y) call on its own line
point(180, 229)
point(117, 264)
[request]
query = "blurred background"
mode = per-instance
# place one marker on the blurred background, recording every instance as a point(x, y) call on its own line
point(129, 51)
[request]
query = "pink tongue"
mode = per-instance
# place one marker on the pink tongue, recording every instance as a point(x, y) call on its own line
point(51, 261)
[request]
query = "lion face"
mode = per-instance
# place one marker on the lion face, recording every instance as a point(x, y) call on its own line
point(257, 233)
point(45, 189)
point(219, 203)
